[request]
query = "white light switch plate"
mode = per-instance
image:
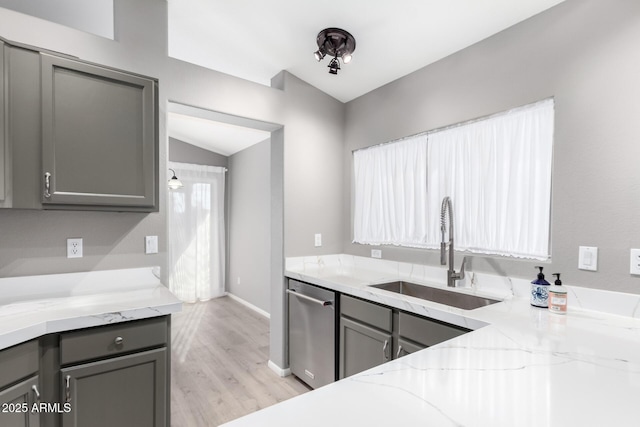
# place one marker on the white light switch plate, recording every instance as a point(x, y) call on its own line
point(588, 258)
point(318, 240)
point(151, 245)
point(635, 261)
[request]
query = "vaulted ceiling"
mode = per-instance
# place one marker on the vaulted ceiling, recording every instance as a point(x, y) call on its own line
point(255, 39)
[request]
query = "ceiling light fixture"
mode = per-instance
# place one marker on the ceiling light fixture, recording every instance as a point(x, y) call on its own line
point(336, 43)
point(174, 182)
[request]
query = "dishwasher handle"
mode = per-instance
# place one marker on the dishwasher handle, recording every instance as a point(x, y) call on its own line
point(308, 298)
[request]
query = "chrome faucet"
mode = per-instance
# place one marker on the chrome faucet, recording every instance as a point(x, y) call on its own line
point(452, 276)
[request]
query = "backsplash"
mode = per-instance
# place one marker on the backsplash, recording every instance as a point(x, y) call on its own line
point(369, 269)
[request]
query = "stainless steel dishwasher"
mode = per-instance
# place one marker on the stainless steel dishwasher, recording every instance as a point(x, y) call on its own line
point(312, 333)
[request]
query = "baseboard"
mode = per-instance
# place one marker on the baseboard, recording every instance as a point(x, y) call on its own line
point(278, 370)
point(249, 305)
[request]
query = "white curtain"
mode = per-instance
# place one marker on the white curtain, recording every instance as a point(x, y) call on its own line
point(196, 233)
point(497, 172)
point(390, 194)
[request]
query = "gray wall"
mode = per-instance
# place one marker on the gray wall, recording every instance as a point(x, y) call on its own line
point(585, 54)
point(248, 275)
point(307, 153)
point(313, 181)
point(180, 151)
point(33, 242)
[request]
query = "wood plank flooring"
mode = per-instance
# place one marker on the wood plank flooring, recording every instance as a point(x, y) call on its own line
point(219, 371)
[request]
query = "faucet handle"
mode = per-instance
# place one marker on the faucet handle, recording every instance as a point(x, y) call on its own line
point(461, 274)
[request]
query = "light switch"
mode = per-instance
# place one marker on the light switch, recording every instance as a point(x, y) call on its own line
point(318, 240)
point(635, 261)
point(151, 245)
point(588, 258)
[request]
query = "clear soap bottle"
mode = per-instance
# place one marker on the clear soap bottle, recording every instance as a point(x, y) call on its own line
point(558, 296)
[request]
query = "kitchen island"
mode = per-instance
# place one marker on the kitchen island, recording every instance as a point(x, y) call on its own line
point(520, 366)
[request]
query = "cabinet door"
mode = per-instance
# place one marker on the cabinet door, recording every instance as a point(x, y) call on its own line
point(16, 404)
point(407, 347)
point(362, 347)
point(99, 136)
point(124, 391)
point(426, 332)
point(3, 148)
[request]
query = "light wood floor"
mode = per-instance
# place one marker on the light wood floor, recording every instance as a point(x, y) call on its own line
point(219, 371)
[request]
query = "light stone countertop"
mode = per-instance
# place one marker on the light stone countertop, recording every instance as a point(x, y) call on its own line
point(521, 366)
point(37, 305)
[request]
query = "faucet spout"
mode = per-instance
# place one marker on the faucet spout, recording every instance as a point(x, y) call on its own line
point(452, 276)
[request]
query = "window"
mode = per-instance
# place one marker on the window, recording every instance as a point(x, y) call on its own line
point(496, 170)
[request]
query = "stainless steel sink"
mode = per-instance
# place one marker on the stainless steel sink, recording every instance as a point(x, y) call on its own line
point(455, 299)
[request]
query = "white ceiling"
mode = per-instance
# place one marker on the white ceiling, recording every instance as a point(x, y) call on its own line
point(221, 133)
point(218, 137)
point(256, 39)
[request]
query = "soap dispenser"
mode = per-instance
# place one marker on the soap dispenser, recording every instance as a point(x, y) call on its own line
point(558, 296)
point(540, 291)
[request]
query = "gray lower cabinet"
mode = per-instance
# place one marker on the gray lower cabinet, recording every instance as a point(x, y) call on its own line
point(366, 335)
point(371, 334)
point(16, 404)
point(416, 333)
point(19, 385)
point(362, 347)
point(407, 347)
point(123, 391)
point(116, 375)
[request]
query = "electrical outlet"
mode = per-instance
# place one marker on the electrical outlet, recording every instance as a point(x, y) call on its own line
point(318, 240)
point(74, 248)
point(376, 253)
point(635, 261)
point(151, 245)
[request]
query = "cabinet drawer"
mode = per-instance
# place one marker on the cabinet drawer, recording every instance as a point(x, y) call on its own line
point(106, 341)
point(18, 362)
point(426, 331)
point(372, 314)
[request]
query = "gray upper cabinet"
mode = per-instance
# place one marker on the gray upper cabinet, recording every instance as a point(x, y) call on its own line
point(3, 147)
point(99, 136)
point(76, 135)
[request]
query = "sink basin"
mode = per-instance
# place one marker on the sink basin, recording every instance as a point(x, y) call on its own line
point(455, 299)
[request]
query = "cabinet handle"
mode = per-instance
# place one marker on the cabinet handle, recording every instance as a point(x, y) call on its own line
point(384, 349)
point(47, 185)
point(118, 340)
point(399, 351)
point(36, 392)
point(67, 388)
